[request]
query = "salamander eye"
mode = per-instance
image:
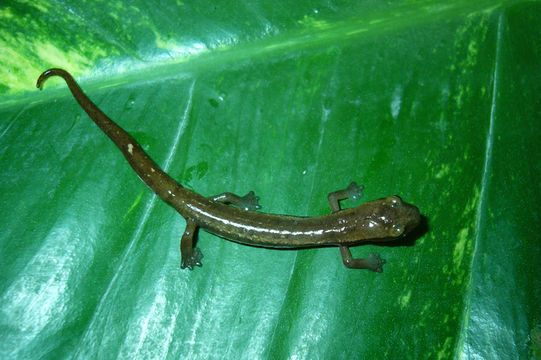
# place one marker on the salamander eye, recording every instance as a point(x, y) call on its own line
point(397, 230)
point(395, 201)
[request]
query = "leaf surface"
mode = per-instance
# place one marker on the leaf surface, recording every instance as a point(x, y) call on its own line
point(435, 101)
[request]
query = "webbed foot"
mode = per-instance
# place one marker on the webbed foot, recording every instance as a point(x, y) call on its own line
point(375, 263)
point(354, 191)
point(249, 202)
point(192, 259)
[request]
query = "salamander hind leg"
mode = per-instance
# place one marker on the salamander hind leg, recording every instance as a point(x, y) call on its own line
point(373, 262)
point(246, 202)
point(353, 192)
point(190, 255)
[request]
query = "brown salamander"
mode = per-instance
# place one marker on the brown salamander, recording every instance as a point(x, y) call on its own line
point(378, 220)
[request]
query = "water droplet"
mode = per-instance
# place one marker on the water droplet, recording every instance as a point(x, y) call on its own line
point(396, 102)
point(214, 103)
point(130, 103)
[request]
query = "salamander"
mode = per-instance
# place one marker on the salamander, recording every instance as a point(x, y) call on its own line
point(235, 217)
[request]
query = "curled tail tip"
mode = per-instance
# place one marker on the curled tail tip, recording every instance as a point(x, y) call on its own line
point(44, 75)
point(48, 73)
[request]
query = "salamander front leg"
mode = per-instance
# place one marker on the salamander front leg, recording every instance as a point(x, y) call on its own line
point(246, 202)
point(353, 191)
point(191, 256)
point(373, 262)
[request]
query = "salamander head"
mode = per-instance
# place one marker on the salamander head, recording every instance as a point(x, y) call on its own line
point(389, 218)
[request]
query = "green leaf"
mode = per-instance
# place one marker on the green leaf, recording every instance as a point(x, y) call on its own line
point(435, 101)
